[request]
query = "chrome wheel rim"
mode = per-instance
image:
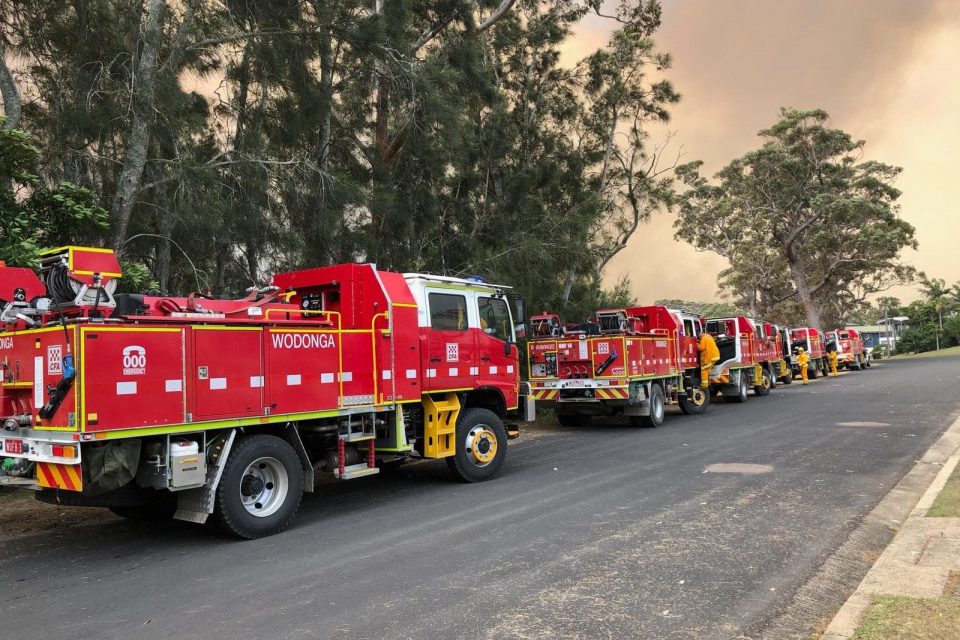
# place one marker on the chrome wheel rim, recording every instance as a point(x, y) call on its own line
point(264, 487)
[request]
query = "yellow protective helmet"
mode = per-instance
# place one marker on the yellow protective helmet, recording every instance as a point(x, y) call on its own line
point(799, 349)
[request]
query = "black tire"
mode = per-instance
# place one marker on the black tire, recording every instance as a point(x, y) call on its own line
point(741, 395)
point(766, 383)
point(278, 469)
point(477, 431)
point(812, 372)
point(695, 401)
point(787, 379)
point(574, 419)
point(158, 511)
point(658, 409)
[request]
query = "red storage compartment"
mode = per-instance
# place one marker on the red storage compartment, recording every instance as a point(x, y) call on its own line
point(302, 370)
point(227, 373)
point(131, 377)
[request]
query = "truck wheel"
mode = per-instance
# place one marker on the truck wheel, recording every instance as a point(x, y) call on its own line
point(787, 379)
point(695, 401)
point(766, 383)
point(260, 489)
point(741, 395)
point(481, 446)
point(658, 408)
point(574, 419)
point(812, 371)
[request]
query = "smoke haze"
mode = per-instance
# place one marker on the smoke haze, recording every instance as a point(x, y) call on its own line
point(885, 70)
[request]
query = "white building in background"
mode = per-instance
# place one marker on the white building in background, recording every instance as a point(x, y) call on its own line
point(892, 330)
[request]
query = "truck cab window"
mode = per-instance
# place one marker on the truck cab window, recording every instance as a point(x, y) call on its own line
point(448, 312)
point(494, 317)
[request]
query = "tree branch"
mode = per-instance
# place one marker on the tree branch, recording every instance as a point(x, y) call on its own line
point(9, 92)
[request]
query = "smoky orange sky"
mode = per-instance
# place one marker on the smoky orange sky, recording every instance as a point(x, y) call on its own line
point(887, 72)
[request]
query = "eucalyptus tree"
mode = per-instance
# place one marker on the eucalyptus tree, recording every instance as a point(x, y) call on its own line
point(806, 211)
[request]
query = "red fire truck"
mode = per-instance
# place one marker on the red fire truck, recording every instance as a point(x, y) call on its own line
point(630, 362)
point(813, 342)
point(159, 406)
point(750, 356)
point(850, 352)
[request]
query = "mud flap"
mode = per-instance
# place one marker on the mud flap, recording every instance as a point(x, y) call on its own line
point(196, 505)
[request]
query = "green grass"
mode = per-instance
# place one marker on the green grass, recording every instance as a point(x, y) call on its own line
point(949, 351)
point(947, 504)
point(900, 618)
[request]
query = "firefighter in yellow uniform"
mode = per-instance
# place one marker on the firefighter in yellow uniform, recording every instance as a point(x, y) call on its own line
point(833, 362)
point(709, 356)
point(802, 361)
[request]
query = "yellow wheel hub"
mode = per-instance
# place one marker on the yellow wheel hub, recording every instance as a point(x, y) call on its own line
point(697, 396)
point(483, 444)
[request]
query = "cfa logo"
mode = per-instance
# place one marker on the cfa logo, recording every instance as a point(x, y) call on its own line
point(134, 361)
point(54, 360)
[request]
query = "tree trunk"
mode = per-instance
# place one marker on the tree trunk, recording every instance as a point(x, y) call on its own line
point(799, 273)
point(568, 283)
point(143, 110)
point(9, 92)
point(326, 96)
point(168, 223)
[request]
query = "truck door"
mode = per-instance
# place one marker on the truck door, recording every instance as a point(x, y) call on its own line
point(497, 367)
point(449, 354)
point(689, 354)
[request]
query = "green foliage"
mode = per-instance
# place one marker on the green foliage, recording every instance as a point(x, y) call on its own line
point(137, 278)
point(325, 131)
point(918, 339)
point(938, 308)
point(35, 215)
point(809, 229)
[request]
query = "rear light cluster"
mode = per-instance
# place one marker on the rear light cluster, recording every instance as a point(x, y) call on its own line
point(16, 447)
point(59, 450)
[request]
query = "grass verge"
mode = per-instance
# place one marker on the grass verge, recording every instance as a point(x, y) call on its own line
point(949, 351)
point(901, 618)
point(947, 504)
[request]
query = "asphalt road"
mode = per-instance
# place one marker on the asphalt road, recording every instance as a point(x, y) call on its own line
point(600, 532)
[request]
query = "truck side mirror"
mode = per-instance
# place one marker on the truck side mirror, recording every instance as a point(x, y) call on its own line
point(521, 311)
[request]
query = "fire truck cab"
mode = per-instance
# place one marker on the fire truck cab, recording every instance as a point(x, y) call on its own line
point(187, 407)
point(813, 341)
point(850, 351)
point(632, 362)
point(748, 357)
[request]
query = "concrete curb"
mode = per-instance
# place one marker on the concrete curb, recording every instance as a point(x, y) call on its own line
point(918, 559)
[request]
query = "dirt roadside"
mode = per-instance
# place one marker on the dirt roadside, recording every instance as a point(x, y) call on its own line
point(22, 515)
